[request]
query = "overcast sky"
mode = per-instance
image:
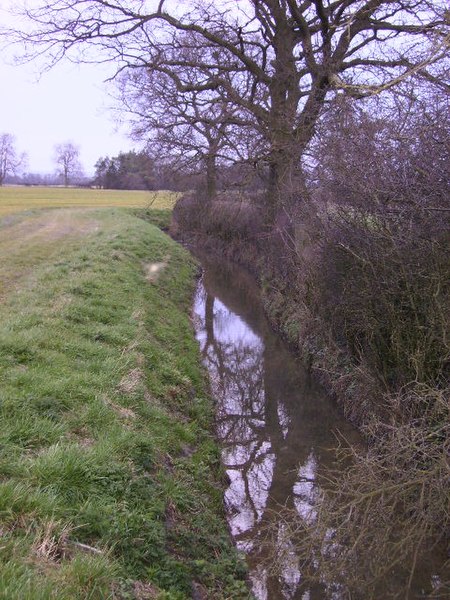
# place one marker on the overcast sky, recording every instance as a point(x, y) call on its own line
point(69, 103)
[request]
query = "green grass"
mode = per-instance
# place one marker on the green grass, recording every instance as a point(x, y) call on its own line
point(15, 199)
point(109, 473)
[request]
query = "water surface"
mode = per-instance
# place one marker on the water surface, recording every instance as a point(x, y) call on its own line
point(277, 428)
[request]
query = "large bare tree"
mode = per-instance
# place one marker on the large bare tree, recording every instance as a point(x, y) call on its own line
point(277, 60)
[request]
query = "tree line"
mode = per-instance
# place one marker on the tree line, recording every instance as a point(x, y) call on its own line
point(133, 170)
point(13, 164)
point(214, 81)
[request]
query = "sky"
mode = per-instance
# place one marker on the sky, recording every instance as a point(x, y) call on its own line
point(68, 103)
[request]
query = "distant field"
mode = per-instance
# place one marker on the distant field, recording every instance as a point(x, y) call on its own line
point(17, 198)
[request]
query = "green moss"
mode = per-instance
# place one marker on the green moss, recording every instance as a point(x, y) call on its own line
point(159, 217)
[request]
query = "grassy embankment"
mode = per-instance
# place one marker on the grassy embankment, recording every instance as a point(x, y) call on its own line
point(108, 470)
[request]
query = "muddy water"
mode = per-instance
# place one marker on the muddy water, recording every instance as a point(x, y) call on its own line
point(277, 428)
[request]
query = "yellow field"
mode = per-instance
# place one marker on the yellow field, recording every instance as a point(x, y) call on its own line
point(17, 198)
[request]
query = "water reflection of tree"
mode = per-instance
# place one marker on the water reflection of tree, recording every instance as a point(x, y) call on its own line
point(237, 379)
point(269, 458)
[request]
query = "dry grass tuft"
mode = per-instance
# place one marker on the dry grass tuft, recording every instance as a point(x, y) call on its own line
point(144, 590)
point(121, 411)
point(50, 542)
point(131, 381)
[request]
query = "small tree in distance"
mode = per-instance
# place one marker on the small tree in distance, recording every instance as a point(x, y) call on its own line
point(67, 158)
point(9, 159)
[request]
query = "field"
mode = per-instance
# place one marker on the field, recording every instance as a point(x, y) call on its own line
point(109, 473)
point(17, 198)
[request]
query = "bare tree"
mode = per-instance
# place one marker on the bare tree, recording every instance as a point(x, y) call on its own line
point(68, 161)
point(9, 159)
point(196, 129)
point(278, 60)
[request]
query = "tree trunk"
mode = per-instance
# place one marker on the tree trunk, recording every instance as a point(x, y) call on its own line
point(3, 171)
point(285, 152)
point(286, 186)
point(290, 136)
point(211, 176)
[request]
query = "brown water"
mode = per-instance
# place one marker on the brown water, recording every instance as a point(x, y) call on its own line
point(277, 428)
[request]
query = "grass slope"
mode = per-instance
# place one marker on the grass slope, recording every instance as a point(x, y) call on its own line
point(108, 470)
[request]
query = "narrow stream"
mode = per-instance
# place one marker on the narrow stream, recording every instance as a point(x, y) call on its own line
point(276, 427)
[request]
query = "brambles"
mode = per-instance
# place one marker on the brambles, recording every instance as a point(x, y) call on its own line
point(380, 529)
